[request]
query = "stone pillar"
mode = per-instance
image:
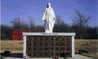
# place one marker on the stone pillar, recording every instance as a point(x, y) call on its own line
point(73, 49)
point(24, 47)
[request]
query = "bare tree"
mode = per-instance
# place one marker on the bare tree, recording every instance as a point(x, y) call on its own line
point(80, 19)
point(32, 24)
point(80, 23)
point(58, 20)
point(17, 23)
point(60, 25)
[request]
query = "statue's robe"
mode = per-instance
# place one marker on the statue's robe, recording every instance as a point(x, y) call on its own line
point(49, 19)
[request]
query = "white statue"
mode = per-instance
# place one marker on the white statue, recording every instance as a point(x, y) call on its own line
point(49, 19)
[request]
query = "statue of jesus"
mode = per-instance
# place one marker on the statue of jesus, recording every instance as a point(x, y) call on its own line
point(49, 19)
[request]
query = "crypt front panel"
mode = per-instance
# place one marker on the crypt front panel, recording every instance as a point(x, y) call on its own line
point(47, 46)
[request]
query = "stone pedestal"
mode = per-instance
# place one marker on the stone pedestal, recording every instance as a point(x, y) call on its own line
point(47, 39)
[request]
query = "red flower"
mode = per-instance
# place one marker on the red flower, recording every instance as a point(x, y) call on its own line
point(66, 51)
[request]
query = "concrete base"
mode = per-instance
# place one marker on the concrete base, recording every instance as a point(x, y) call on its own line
point(25, 34)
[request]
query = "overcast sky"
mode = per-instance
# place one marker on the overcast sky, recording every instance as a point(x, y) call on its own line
point(24, 9)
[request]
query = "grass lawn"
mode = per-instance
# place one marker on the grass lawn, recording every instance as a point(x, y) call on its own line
point(91, 55)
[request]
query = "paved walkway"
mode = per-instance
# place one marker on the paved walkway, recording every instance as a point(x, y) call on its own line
point(77, 56)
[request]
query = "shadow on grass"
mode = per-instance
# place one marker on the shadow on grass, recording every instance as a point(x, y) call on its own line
point(14, 55)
